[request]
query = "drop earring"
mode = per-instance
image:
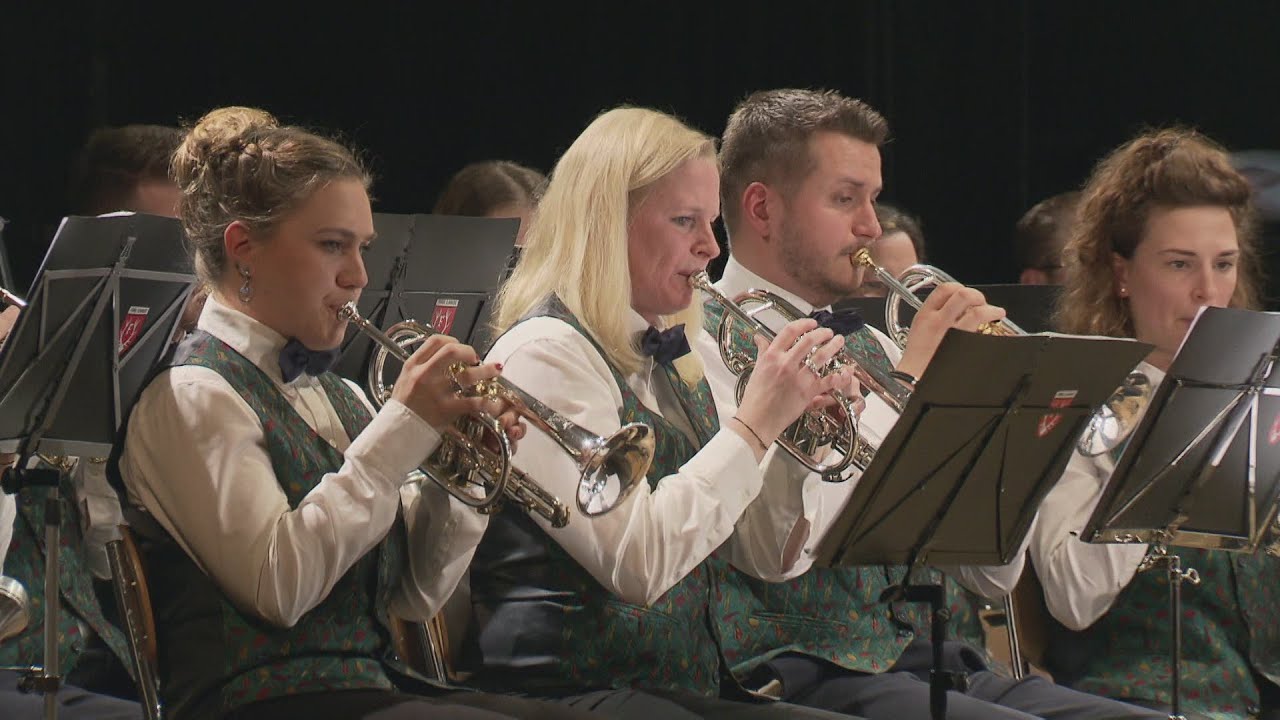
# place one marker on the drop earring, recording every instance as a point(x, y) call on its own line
point(246, 290)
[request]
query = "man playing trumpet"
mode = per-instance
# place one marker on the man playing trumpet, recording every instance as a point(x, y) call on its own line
point(801, 172)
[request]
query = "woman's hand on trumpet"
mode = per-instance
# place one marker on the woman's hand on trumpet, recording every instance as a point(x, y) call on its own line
point(950, 305)
point(790, 377)
point(435, 381)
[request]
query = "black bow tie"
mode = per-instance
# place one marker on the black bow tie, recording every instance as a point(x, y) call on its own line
point(664, 345)
point(296, 358)
point(841, 323)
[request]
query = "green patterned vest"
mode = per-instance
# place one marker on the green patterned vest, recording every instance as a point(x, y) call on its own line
point(1229, 633)
point(835, 614)
point(545, 626)
point(25, 563)
point(215, 657)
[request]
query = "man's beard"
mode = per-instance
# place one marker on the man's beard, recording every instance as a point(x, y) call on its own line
point(811, 271)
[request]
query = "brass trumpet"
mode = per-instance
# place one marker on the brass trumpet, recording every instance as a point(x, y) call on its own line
point(466, 460)
point(814, 429)
point(903, 289)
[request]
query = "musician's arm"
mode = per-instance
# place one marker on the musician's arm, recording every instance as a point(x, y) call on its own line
point(196, 458)
point(656, 537)
point(1081, 580)
point(769, 537)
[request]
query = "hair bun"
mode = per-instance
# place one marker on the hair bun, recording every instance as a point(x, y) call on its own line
point(222, 132)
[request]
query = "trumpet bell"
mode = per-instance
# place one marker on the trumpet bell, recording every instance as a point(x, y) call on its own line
point(15, 613)
point(1116, 420)
point(615, 469)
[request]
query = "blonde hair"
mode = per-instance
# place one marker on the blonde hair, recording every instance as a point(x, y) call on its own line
point(239, 163)
point(1170, 168)
point(576, 246)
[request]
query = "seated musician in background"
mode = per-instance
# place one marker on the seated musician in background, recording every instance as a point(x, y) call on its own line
point(900, 245)
point(494, 189)
point(1166, 227)
point(275, 498)
point(612, 612)
point(801, 175)
point(1040, 237)
point(120, 168)
point(126, 168)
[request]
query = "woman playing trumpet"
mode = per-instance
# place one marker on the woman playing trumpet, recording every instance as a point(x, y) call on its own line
point(279, 548)
point(1165, 228)
point(611, 611)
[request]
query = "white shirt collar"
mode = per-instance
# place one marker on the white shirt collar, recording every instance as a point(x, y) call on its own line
point(738, 279)
point(258, 343)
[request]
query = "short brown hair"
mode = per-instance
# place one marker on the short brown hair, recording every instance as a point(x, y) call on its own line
point(480, 188)
point(1170, 168)
point(115, 160)
point(767, 138)
point(894, 220)
point(239, 163)
point(1042, 231)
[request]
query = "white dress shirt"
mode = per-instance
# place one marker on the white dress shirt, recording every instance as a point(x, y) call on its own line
point(1081, 580)
point(645, 546)
point(196, 459)
point(8, 515)
point(817, 501)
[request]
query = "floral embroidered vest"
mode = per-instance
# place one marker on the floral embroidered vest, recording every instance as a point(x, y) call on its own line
point(214, 657)
point(546, 627)
point(1229, 634)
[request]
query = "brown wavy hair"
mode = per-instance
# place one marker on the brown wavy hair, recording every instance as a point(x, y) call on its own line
point(239, 163)
point(1160, 169)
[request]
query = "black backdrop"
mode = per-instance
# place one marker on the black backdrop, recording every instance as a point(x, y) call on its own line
point(993, 104)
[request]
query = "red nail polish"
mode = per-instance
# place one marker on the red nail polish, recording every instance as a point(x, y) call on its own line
point(499, 366)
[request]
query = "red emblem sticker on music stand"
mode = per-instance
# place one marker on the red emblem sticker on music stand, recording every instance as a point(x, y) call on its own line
point(442, 317)
point(1273, 436)
point(131, 327)
point(1049, 421)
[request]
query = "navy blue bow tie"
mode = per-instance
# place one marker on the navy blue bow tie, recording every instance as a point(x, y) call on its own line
point(841, 323)
point(296, 358)
point(664, 345)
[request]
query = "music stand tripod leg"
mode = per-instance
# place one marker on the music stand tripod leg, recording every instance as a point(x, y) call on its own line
point(940, 681)
point(49, 679)
point(1160, 555)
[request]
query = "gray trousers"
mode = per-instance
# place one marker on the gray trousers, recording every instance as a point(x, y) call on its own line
point(677, 705)
point(902, 693)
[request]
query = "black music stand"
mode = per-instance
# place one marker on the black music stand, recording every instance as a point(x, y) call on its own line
point(960, 477)
point(1194, 472)
point(6, 270)
point(432, 268)
point(105, 303)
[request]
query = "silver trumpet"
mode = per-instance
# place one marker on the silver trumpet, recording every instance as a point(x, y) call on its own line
point(1113, 423)
point(10, 300)
point(1110, 425)
point(15, 611)
point(814, 429)
point(467, 458)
